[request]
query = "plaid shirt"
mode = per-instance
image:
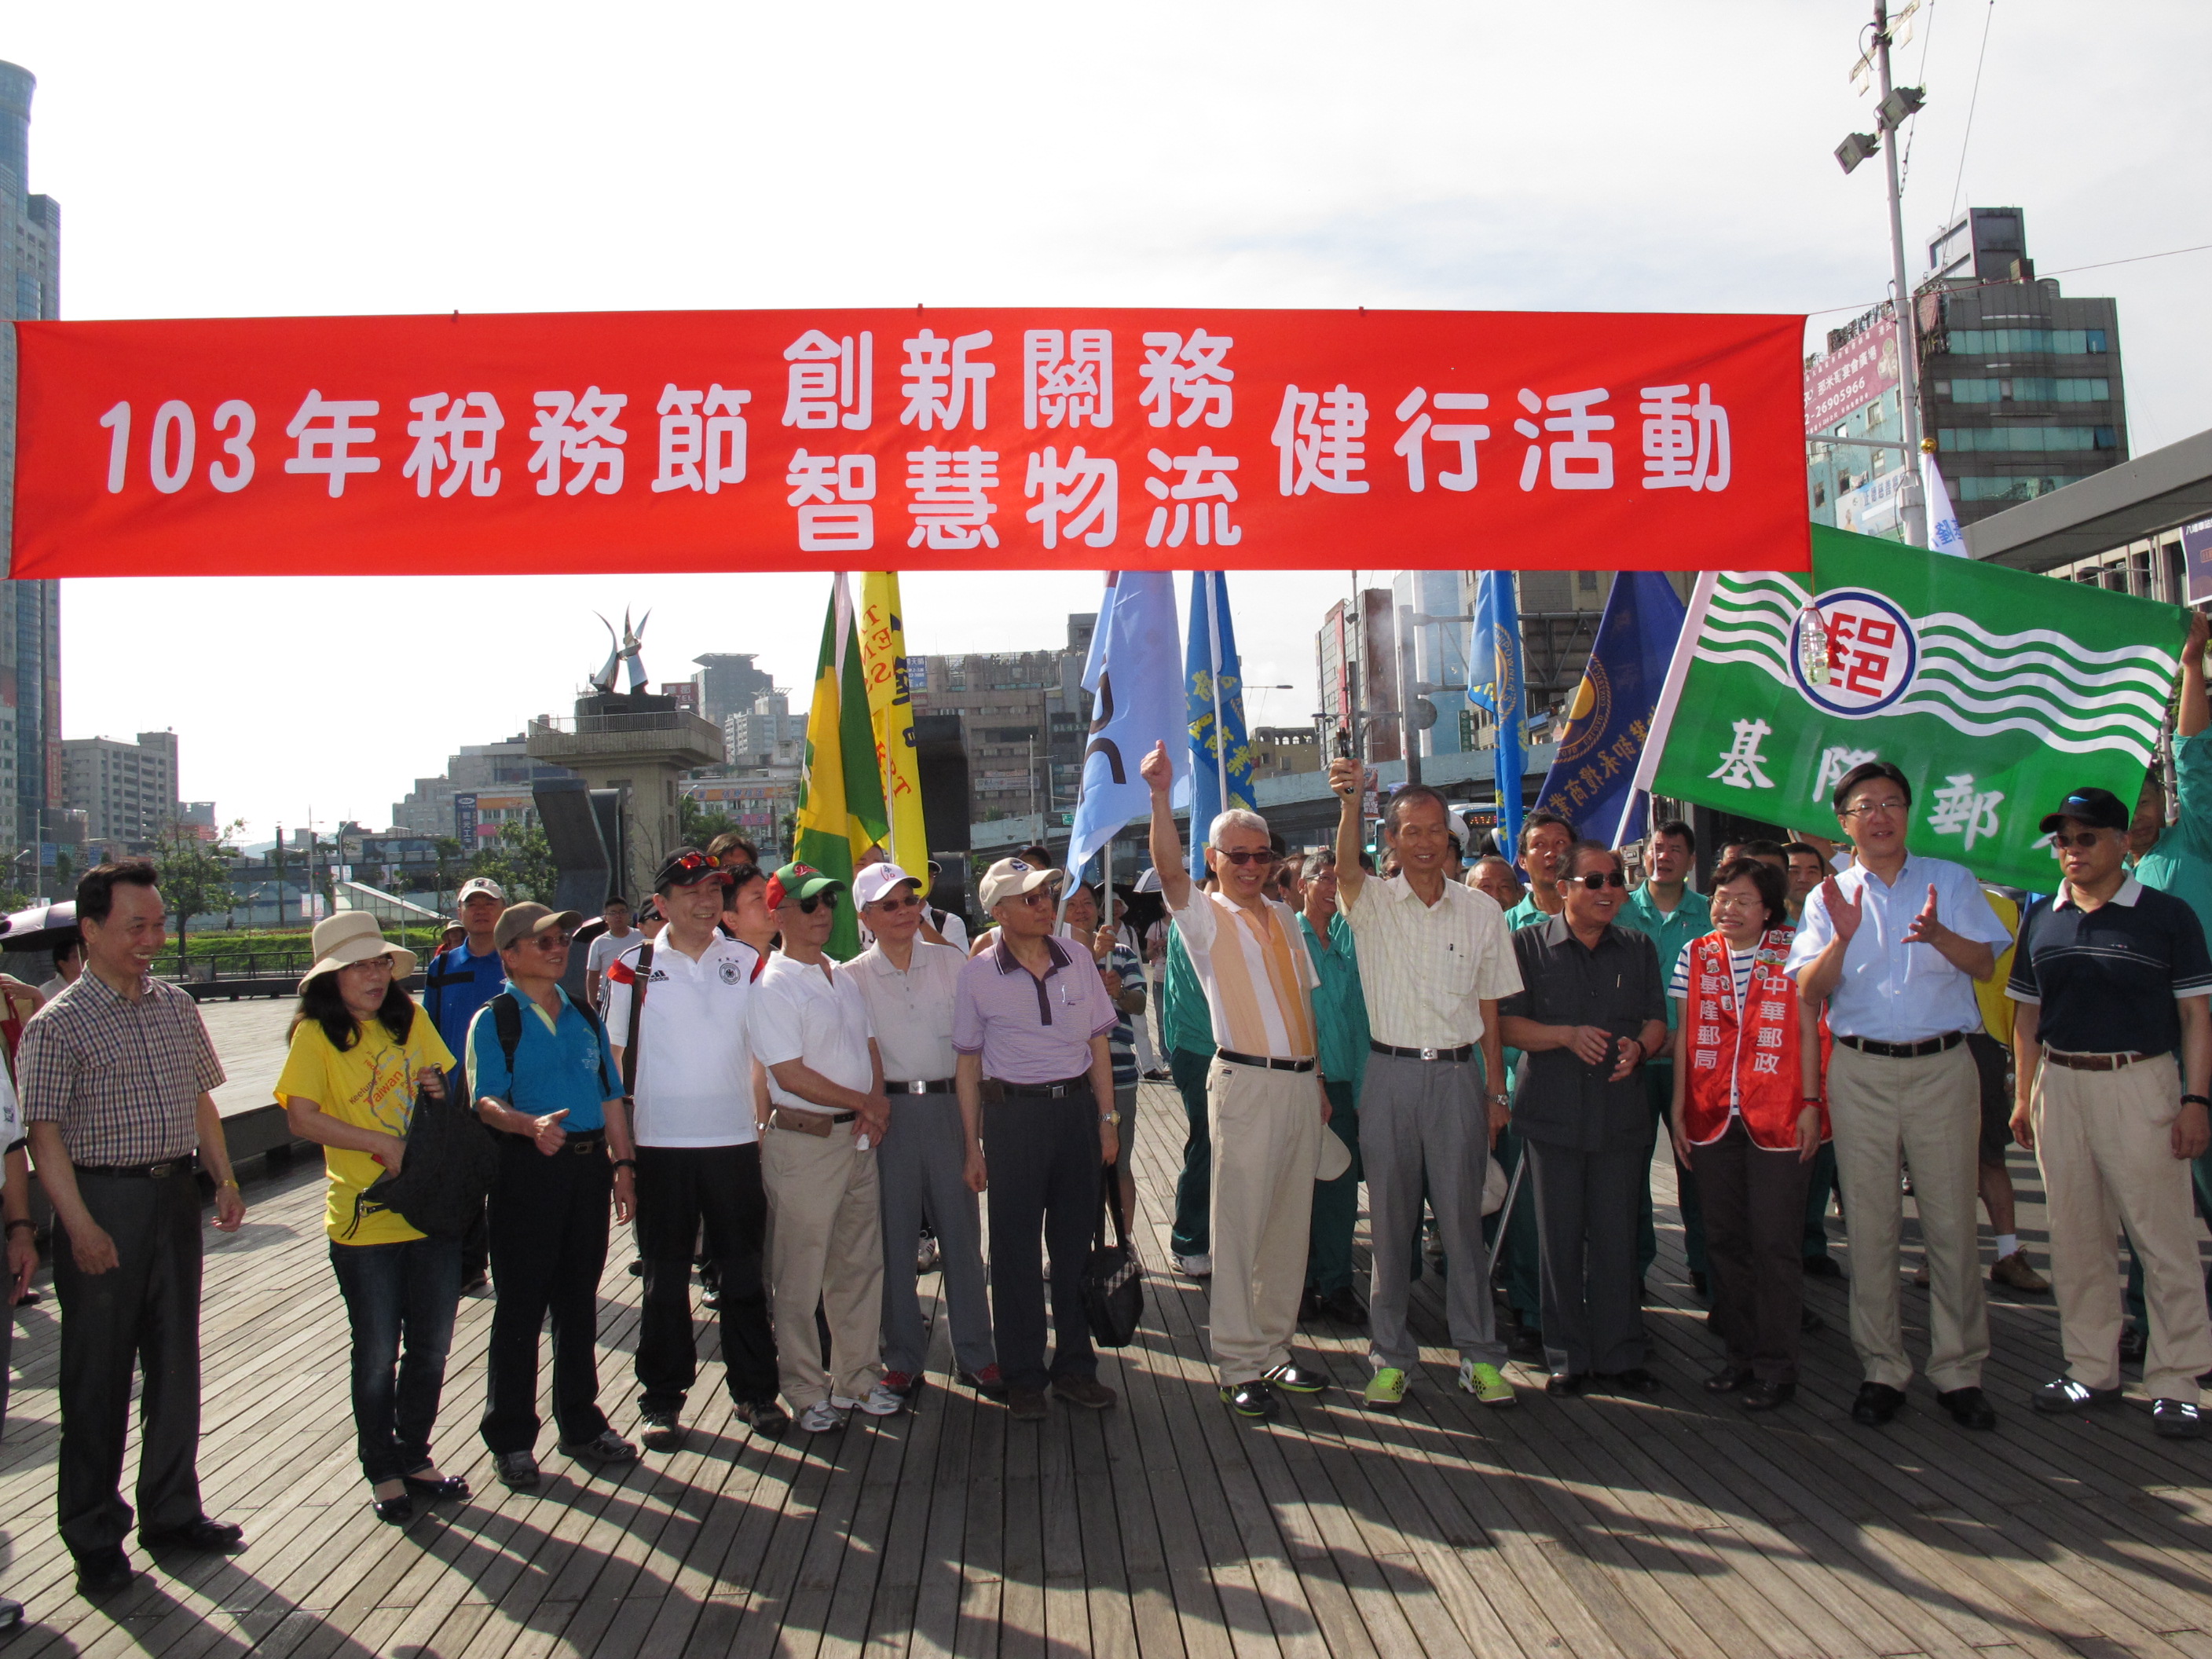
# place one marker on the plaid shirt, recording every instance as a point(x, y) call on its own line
point(122, 1077)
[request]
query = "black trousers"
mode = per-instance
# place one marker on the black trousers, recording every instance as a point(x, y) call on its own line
point(679, 1188)
point(1755, 1235)
point(1586, 1213)
point(144, 1311)
point(1043, 1156)
point(549, 1247)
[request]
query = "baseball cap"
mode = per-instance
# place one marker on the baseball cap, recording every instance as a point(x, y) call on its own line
point(2101, 809)
point(687, 866)
point(476, 884)
point(1011, 877)
point(877, 881)
point(1335, 1159)
point(794, 881)
point(527, 921)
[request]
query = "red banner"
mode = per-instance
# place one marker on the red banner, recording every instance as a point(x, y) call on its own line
point(920, 440)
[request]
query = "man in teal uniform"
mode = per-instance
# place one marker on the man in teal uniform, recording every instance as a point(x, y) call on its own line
point(1545, 838)
point(1667, 910)
point(1188, 1028)
point(1340, 1019)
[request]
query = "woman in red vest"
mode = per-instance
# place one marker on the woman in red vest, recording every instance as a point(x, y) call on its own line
point(1748, 1119)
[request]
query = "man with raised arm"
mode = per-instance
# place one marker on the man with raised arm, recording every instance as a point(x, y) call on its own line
point(1265, 1106)
point(1434, 959)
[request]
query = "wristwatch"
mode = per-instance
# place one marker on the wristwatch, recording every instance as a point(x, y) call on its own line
point(1114, 1119)
point(1501, 1100)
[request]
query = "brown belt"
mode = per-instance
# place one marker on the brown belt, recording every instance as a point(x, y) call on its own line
point(2093, 1062)
point(808, 1123)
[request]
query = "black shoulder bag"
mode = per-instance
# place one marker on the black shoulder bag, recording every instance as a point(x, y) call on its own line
point(441, 1184)
point(1113, 1279)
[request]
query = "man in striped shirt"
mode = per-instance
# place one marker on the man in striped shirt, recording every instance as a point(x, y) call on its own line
point(1266, 1108)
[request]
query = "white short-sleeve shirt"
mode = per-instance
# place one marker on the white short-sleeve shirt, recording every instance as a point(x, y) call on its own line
point(800, 1012)
point(910, 1011)
point(1891, 991)
point(695, 1066)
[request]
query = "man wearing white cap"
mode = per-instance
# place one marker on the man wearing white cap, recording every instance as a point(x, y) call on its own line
point(1265, 1105)
point(924, 1164)
point(455, 985)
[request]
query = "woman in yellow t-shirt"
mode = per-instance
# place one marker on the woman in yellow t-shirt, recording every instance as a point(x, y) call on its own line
point(361, 1049)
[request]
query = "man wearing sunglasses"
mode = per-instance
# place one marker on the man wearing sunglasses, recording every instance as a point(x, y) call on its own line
point(1894, 946)
point(930, 1163)
point(2114, 986)
point(1434, 959)
point(676, 1009)
point(1266, 1108)
point(1031, 1014)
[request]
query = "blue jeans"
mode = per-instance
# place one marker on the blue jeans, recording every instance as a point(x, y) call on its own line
point(392, 1291)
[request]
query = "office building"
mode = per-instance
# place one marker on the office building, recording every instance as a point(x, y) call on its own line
point(1024, 720)
point(767, 735)
point(126, 791)
point(728, 685)
point(2020, 386)
point(31, 782)
point(483, 788)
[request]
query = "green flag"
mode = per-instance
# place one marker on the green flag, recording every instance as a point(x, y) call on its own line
point(841, 792)
point(1996, 692)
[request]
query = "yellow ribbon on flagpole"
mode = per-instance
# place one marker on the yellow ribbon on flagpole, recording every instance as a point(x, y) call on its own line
point(891, 712)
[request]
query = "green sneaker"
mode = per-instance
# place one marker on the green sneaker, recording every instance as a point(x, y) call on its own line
point(1386, 1389)
point(1487, 1384)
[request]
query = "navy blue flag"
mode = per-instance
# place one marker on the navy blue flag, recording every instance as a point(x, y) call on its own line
point(1592, 779)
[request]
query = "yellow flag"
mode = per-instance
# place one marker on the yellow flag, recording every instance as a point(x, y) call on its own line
point(890, 712)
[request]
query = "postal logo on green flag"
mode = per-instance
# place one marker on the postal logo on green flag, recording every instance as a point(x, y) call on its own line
point(1996, 692)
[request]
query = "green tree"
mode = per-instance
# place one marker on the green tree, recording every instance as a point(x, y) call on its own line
point(520, 862)
point(697, 827)
point(196, 875)
point(448, 848)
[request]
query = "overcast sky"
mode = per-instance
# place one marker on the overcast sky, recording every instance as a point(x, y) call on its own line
point(240, 160)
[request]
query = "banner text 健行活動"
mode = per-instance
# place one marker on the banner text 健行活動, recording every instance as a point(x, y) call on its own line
point(920, 439)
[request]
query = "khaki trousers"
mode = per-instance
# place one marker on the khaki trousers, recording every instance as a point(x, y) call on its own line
point(1266, 1129)
point(1890, 1114)
point(826, 1244)
point(2102, 1141)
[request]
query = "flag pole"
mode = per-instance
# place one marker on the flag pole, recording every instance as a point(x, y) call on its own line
point(1671, 695)
point(1213, 645)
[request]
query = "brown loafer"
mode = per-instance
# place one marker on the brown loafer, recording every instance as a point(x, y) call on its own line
point(1084, 1391)
point(2014, 1273)
point(1026, 1405)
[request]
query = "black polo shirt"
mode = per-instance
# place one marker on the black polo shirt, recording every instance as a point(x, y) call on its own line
point(2106, 979)
point(1559, 1098)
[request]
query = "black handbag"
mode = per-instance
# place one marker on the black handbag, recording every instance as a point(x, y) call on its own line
point(1112, 1278)
point(447, 1173)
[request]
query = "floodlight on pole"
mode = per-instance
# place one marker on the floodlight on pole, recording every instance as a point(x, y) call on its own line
point(1857, 147)
point(1900, 107)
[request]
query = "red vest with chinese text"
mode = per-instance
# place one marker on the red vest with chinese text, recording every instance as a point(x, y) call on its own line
point(1753, 1044)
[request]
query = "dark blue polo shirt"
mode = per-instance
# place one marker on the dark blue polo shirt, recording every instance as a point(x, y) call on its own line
point(2105, 980)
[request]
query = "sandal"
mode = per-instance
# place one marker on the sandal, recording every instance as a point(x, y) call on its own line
point(394, 1512)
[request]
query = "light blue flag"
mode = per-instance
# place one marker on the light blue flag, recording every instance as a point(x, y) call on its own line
point(1495, 684)
point(1213, 692)
point(1592, 782)
point(1133, 706)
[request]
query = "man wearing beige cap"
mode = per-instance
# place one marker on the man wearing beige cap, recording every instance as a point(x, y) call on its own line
point(811, 1033)
point(457, 982)
point(1265, 1105)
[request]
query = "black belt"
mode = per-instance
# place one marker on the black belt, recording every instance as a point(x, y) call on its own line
point(936, 1085)
point(581, 1141)
point(162, 1171)
point(1465, 1051)
point(1904, 1050)
point(1079, 1085)
point(1261, 1060)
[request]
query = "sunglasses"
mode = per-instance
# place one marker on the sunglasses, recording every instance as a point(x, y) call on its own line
point(903, 902)
point(1244, 856)
point(2083, 839)
point(1594, 882)
point(808, 906)
point(693, 868)
point(1043, 896)
point(550, 942)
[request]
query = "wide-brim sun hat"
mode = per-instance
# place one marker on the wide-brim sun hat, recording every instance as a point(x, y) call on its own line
point(350, 937)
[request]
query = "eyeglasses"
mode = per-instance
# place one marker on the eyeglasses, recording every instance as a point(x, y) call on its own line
point(1245, 855)
point(550, 942)
point(2084, 840)
point(1037, 895)
point(1871, 807)
point(381, 965)
point(903, 902)
point(1594, 881)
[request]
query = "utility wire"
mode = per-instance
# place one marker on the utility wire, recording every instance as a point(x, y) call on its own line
point(2002, 282)
point(1968, 138)
point(1927, 39)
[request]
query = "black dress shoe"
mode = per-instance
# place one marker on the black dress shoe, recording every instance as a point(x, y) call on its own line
point(1876, 1404)
point(1764, 1396)
point(103, 1573)
point(1345, 1307)
point(1567, 1382)
point(1698, 1281)
point(446, 1489)
point(1729, 1379)
point(393, 1511)
point(1968, 1409)
point(1635, 1380)
point(1308, 1304)
point(1822, 1266)
point(215, 1537)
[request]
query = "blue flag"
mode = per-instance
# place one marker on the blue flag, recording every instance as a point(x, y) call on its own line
point(1134, 706)
point(1592, 779)
point(1495, 684)
point(1213, 695)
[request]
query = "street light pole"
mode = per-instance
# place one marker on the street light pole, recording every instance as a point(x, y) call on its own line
point(1913, 504)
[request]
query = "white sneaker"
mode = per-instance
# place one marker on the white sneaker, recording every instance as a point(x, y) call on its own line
point(881, 1402)
point(1195, 1267)
point(820, 1418)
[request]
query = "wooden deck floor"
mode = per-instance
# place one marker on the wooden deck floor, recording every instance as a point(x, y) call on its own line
point(1586, 1528)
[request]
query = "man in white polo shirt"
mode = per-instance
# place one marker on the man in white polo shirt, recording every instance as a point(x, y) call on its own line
point(930, 1162)
point(811, 1032)
point(687, 1065)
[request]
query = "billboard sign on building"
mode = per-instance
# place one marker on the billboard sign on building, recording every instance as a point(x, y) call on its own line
point(2197, 559)
point(1873, 508)
point(1849, 378)
point(465, 819)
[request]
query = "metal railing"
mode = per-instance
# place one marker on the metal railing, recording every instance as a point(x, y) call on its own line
point(673, 720)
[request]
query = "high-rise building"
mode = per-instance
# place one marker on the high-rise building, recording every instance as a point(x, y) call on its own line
point(2020, 386)
point(484, 786)
point(1025, 719)
point(126, 791)
point(31, 784)
point(728, 685)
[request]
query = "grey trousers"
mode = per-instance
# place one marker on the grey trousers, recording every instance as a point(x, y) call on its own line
point(1418, 1115)
point(918, 1167)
